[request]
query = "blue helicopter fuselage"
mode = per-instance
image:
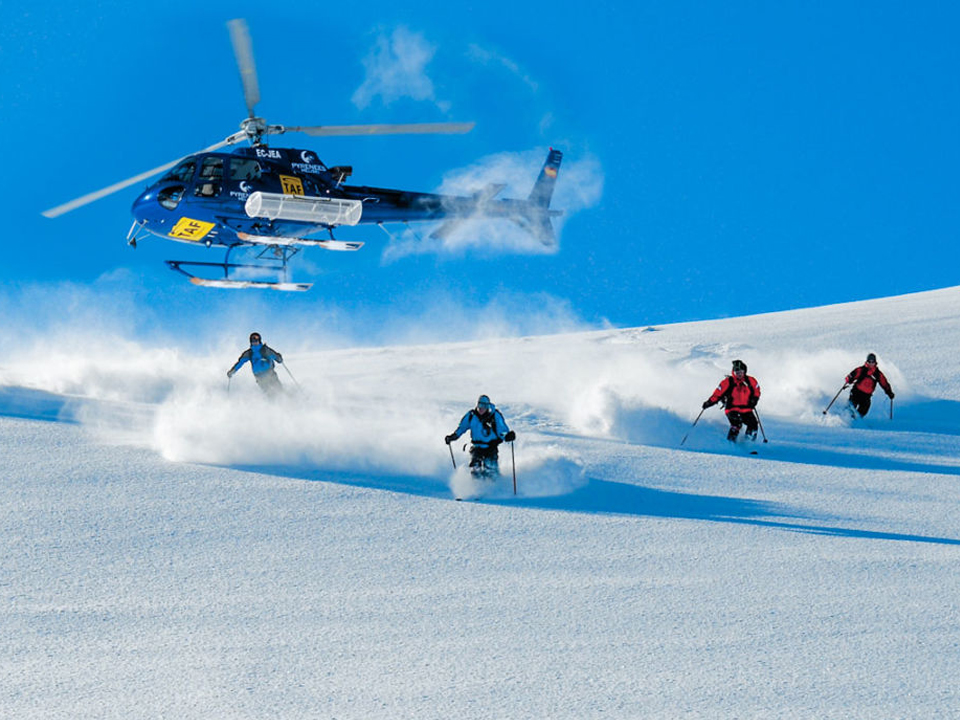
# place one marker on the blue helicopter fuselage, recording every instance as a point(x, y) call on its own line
point(204, 198)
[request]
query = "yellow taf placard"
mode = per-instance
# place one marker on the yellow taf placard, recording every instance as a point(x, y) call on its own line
point(291, 185)
point(187, 229)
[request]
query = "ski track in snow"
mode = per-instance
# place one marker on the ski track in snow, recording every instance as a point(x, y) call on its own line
point(175, 549)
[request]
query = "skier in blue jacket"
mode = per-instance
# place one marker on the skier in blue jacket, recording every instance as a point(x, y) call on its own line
point(262, 359)
point(487, 430)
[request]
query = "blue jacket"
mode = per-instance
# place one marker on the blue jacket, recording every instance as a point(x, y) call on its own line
point(261, 357)
point(483, 431)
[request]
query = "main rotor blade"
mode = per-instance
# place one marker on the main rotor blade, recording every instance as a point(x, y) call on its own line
point(402, 129)
point(90, 197)
point(243, 50)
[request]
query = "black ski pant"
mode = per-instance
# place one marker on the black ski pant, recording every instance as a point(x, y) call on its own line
point(485, 460)
point(860, 401)
point(738, 418)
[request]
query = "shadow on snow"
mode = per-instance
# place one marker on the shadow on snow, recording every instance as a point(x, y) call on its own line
point(21, 402)
point(605, 497)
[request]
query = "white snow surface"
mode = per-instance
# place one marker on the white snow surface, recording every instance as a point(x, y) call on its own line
point(175, 550)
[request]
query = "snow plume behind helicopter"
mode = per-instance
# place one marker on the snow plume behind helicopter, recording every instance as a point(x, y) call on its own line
point(580, 186)
point(396, 68)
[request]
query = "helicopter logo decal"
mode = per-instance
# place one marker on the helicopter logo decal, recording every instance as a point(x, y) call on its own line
point(190, 229)
point(291, 185)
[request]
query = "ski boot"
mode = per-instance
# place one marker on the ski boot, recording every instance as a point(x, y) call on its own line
point(750, 435)
point(732, 433)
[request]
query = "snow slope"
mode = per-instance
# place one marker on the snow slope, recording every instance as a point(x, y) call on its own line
point(172, 550)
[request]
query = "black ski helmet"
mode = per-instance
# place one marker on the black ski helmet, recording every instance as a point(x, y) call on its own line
point(255, 337)
point(871, 358)
point(739, 365)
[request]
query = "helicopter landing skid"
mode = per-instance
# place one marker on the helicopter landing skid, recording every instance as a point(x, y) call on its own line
point(228, 282)
point(331, 244)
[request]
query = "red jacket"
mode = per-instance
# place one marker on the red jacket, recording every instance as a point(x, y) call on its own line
point(866, 381)
point(737, 395)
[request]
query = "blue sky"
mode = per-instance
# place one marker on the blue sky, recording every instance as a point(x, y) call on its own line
point(720, 158)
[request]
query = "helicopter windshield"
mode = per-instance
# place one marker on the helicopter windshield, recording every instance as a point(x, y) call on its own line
point(181, 173)
point(170, 197)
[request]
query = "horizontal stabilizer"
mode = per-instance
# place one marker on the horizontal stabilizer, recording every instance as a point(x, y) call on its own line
point(446, 229)
point(489, 192)
point(540, 227)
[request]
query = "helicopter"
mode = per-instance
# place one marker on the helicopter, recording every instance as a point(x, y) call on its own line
point(273, 201)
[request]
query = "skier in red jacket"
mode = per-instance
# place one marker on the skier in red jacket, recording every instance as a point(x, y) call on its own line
point(739, 394)
point(865, 380)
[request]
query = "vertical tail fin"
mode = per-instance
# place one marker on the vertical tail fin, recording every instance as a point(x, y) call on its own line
point(543, 187)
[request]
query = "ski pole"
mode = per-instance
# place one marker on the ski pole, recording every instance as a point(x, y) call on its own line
point(692, 427)
point(891, 408)
point(513, 459)
point(757, 416)
point(291, 376)
point(228, 384)
point(450, 448)
point(835, 397)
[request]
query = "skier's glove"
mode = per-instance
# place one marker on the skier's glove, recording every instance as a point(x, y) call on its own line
point(450, 438)
point(707, 403)
point(752, 403)
point(510, 436)
point(229, 373)
point(890, 394)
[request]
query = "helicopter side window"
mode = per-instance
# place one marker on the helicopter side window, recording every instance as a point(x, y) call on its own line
point(181, 173)
point(244, 169)
point(211, 175)
point(170, 197)
point(212, 168)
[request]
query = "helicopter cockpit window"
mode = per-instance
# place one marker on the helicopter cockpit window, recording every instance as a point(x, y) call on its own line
point(211, 175)
point(181, 173)
point(244, 169)
point(170, 197)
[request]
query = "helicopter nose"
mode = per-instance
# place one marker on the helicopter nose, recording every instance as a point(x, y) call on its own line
point(143, 207)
